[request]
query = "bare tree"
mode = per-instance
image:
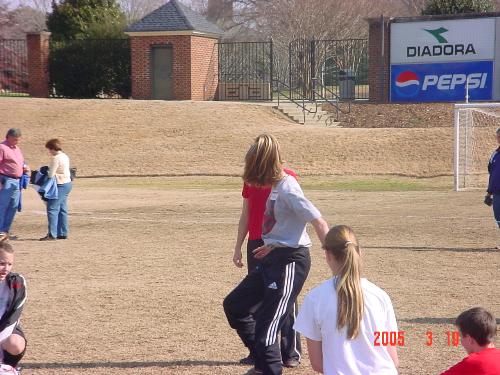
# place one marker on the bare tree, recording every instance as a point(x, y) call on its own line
point(412, 7)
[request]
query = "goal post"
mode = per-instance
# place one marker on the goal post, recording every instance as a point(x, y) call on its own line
point(474, 141)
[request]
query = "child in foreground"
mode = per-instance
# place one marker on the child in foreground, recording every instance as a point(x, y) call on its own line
point(477, 328)
point(339, 317)
point(12, 299)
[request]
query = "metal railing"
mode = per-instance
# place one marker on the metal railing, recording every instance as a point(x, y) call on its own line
point(335, 103)
point(301, 103)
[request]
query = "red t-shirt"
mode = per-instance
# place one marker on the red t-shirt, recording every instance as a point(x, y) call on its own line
point(257, 198)
point(485, 362)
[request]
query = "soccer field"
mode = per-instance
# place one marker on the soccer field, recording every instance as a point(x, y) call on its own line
point(138, 286)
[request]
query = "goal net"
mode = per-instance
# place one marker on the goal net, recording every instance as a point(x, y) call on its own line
point(475, 127)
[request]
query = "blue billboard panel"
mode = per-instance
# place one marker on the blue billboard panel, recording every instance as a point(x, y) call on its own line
point(441, 82)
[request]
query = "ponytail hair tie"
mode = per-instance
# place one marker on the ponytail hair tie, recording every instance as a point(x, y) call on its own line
point(348, 243)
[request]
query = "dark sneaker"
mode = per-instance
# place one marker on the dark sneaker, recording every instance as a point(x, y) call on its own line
point(247, 361)
point(48, 237)
point(62, 237)
point(257, 371)
point(291, 363)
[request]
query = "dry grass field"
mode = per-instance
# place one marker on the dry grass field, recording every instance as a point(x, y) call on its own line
point(138, 286)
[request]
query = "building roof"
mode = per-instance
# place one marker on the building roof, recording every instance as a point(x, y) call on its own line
point(174, 16)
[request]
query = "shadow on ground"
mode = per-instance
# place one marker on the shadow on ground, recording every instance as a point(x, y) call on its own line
point(433, 248)
point(432, 320)
point(125, 365)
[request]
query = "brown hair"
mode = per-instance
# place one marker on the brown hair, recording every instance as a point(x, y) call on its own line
point(479, 324)
point(343, 245)
point(54, 144)
point(263, 165)
point(5, 246)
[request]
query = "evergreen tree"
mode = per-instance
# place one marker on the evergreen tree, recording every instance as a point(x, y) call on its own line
point(86, 19)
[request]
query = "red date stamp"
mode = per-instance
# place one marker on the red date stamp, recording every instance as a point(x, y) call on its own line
point(389, 338)
point(453, 338)
point(397, 338)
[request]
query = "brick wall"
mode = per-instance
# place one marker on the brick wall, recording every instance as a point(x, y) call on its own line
point(141, 47)
point(38, 64)
point(379, 68)
point(204, 68)
point(194, 66)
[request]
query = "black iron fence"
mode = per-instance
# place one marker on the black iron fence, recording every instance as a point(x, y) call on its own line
point(245, 70)
point(13, 67)
point(339, 68)
point(92, 68)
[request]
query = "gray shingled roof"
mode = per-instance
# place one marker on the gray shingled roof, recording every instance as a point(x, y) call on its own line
point(174, 16)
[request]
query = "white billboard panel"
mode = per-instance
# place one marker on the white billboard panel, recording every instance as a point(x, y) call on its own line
point(443, 41)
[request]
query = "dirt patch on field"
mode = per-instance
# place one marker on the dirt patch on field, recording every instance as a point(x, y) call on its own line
point(435, 115)
point(126, 137)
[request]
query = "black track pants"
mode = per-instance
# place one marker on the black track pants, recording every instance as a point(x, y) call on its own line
point(258, 306)
point(290, 339)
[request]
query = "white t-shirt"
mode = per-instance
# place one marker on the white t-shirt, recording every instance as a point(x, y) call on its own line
point(59, 167)
point(287, 213)
point(317, 320)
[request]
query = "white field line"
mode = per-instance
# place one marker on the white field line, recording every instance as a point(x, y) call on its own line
point(87, 216)
point(91, 215)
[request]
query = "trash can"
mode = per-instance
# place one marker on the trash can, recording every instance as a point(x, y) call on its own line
point(346, 84)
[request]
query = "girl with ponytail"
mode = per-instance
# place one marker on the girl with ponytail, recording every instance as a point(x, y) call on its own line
point(341, 316)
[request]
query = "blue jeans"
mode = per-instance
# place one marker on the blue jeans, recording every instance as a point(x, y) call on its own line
point(496, 208)
point(9, 200)
point(57, 211)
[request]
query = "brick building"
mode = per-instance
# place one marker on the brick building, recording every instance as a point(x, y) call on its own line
point(174, 55)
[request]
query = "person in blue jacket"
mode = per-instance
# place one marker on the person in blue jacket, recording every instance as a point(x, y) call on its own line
point(492, 197)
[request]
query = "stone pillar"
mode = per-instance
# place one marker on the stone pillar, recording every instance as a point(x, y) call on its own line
point(38, 64)
point(379, 59)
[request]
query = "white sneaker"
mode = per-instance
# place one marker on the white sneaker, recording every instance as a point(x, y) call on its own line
point(7, 370)
point(4, 236)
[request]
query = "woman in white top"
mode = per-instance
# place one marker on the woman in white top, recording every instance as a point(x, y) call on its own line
point(57, 209)
point(349, 322)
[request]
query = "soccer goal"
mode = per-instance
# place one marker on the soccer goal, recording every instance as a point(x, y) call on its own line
point(474, 142)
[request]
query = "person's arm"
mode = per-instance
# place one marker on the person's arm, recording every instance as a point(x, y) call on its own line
point(393, 352)
point(54, 163)
point(242, 233)
point(11, 317)
point(321, 228)
point(490, 165)
point(315, 351)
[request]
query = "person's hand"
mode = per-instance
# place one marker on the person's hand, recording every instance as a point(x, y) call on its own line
point(262, 251)
point(26, 169)
point(237, 258)
point(488, 200)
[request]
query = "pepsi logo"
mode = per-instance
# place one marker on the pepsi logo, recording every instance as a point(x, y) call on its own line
point(407, 84)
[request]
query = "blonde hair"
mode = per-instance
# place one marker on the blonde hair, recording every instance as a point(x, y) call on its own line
point(263, 165)
point(343, 245)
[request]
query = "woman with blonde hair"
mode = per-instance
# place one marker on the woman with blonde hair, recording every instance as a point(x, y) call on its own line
point(258, 306)
point(349, 322)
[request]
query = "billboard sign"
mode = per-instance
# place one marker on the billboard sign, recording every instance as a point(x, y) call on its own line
point(443, 41)
point(441, 82)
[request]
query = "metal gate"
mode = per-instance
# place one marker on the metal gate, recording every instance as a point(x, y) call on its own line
point(306, 68)
point(13, 67)
point(245, 70)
